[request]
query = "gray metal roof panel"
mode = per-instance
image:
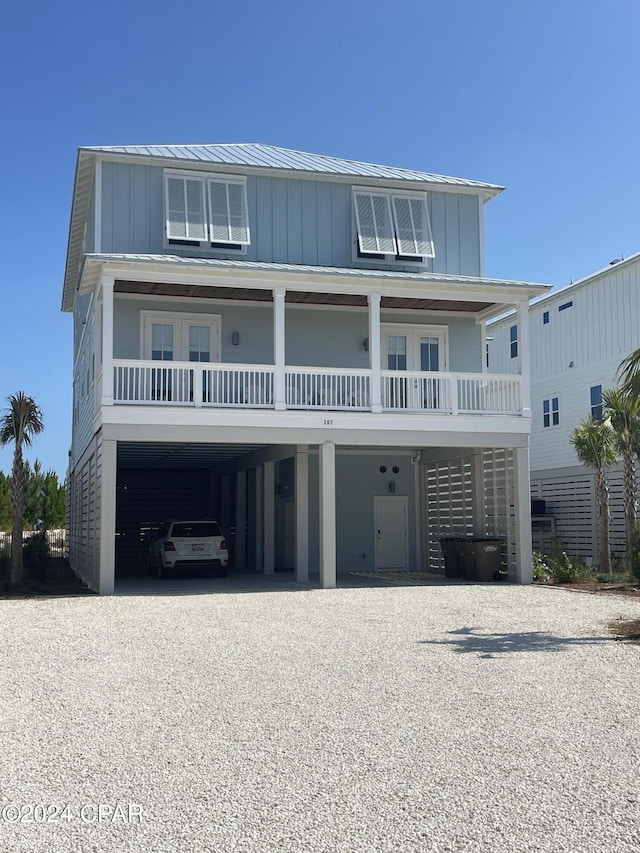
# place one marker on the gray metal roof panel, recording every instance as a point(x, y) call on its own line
point(274, 157)
point(304, 269)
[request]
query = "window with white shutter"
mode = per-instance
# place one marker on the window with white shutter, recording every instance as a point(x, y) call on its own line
point(206, 212)
point(228, 211)
point(392, 225)
point(185, 203)
point(413, 230)
point(373, 217)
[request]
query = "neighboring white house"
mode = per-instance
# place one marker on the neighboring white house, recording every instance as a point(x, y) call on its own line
point(579, 334)
point(293, 343)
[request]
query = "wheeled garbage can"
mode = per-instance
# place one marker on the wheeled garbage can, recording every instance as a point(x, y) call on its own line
point(482, 558)
point(452, 556)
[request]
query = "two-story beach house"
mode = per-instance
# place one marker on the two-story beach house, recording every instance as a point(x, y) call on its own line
point(579, 334)
point(295, 345)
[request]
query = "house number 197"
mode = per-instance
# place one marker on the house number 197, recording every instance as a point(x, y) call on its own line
point(328, 421)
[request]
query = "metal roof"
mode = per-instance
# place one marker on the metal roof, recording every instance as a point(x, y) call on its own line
point(272, 157)
point(305, 269)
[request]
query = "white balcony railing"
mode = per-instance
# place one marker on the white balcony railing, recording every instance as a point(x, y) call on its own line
point(253, 386)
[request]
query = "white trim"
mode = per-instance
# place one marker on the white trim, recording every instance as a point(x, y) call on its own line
point(106, 336)
point(269, 517)
point(178, 320)
point(327, 501)
point(481, 234)
point(279, 336)
point(302, 513)
point(377, 499)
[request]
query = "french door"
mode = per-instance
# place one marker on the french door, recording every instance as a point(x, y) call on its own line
point(408, 352)
point(183, 338)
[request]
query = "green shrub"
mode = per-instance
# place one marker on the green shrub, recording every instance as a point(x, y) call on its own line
point(558, 567)
point(35, 553)
point(541, 571)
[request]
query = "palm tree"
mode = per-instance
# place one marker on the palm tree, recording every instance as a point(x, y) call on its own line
point(629, 373)
point(20, 421)
point(594, 445)
point(622, 409)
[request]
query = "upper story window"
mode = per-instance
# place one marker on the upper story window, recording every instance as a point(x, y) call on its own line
point(596, 402)
point(392, 225)
point(206, 212)
point(513, 341)
point(551, 412)
point(545, 318)
point(565, 305)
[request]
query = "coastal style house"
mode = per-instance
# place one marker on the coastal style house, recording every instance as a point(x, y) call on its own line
point(579, 334)
point(295, 345)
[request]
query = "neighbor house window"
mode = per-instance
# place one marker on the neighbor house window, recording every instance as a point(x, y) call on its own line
point(513, 338)
point(206, 212)
point(551, 412)
point(545, 318)
point(565, 305)
point(596, 402)
point(392, 224)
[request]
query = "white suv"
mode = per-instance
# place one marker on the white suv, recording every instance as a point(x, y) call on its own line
point(181, 545)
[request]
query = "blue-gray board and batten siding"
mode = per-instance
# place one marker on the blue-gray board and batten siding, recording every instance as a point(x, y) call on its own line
point(292, 221)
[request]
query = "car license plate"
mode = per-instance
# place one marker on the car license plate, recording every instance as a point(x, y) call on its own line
point(197, 547)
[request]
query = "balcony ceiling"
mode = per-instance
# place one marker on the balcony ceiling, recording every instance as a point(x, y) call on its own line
point(293, 296)
point(132, 454)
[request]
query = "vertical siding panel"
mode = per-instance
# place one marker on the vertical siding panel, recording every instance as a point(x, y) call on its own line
point(439, 231)
point(279, 220)
point(470, 235)
point(294, 221)
point(452, 212)
point(262, 223)
point(341, 223)
point(122, 213)
point(155, 209)
point(309, 222)
point(325, 235)
point(107, 206)
point(139, 202)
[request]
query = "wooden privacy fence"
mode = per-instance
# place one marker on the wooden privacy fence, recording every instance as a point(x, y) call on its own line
point(56, 539)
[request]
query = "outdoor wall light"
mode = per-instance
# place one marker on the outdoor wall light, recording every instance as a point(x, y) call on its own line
point(235, 338)
point(365, 344)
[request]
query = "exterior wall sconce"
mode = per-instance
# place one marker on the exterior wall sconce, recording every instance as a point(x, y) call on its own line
point(392, 486)
point(235, 338)
point(365, 344)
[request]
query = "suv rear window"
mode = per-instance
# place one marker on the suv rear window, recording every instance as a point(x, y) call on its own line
point(195, 529)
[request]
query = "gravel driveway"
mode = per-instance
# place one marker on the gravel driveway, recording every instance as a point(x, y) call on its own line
point(463, 718)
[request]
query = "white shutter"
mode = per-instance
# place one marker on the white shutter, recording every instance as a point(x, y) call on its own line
point(228, 212)
point(413, 230)
point(373, 219)
point(185, 203)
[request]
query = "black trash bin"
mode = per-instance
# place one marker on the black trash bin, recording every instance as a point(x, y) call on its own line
point(452, 557)
point(482, 558)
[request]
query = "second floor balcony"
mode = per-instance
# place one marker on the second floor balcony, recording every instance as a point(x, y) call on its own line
point(252, 386)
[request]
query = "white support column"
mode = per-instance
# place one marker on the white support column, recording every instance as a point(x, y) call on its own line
point(107, 340)
point(524, 356)
point(269, 518)
point(259, 532)
point(328, 515)
point(522, 492)
point(241, 520)
point(479, 519)
point(302, 513)
point(107, 552)
point(278, 346)
point(374, 351)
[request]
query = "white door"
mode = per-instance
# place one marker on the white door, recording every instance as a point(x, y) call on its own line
point(184, 338)
point(391, 532)
point(415, 350)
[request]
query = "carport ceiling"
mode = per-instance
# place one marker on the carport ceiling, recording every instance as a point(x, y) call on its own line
point(179, 455)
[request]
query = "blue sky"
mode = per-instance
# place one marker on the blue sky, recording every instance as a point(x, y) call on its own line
point(540, 97)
